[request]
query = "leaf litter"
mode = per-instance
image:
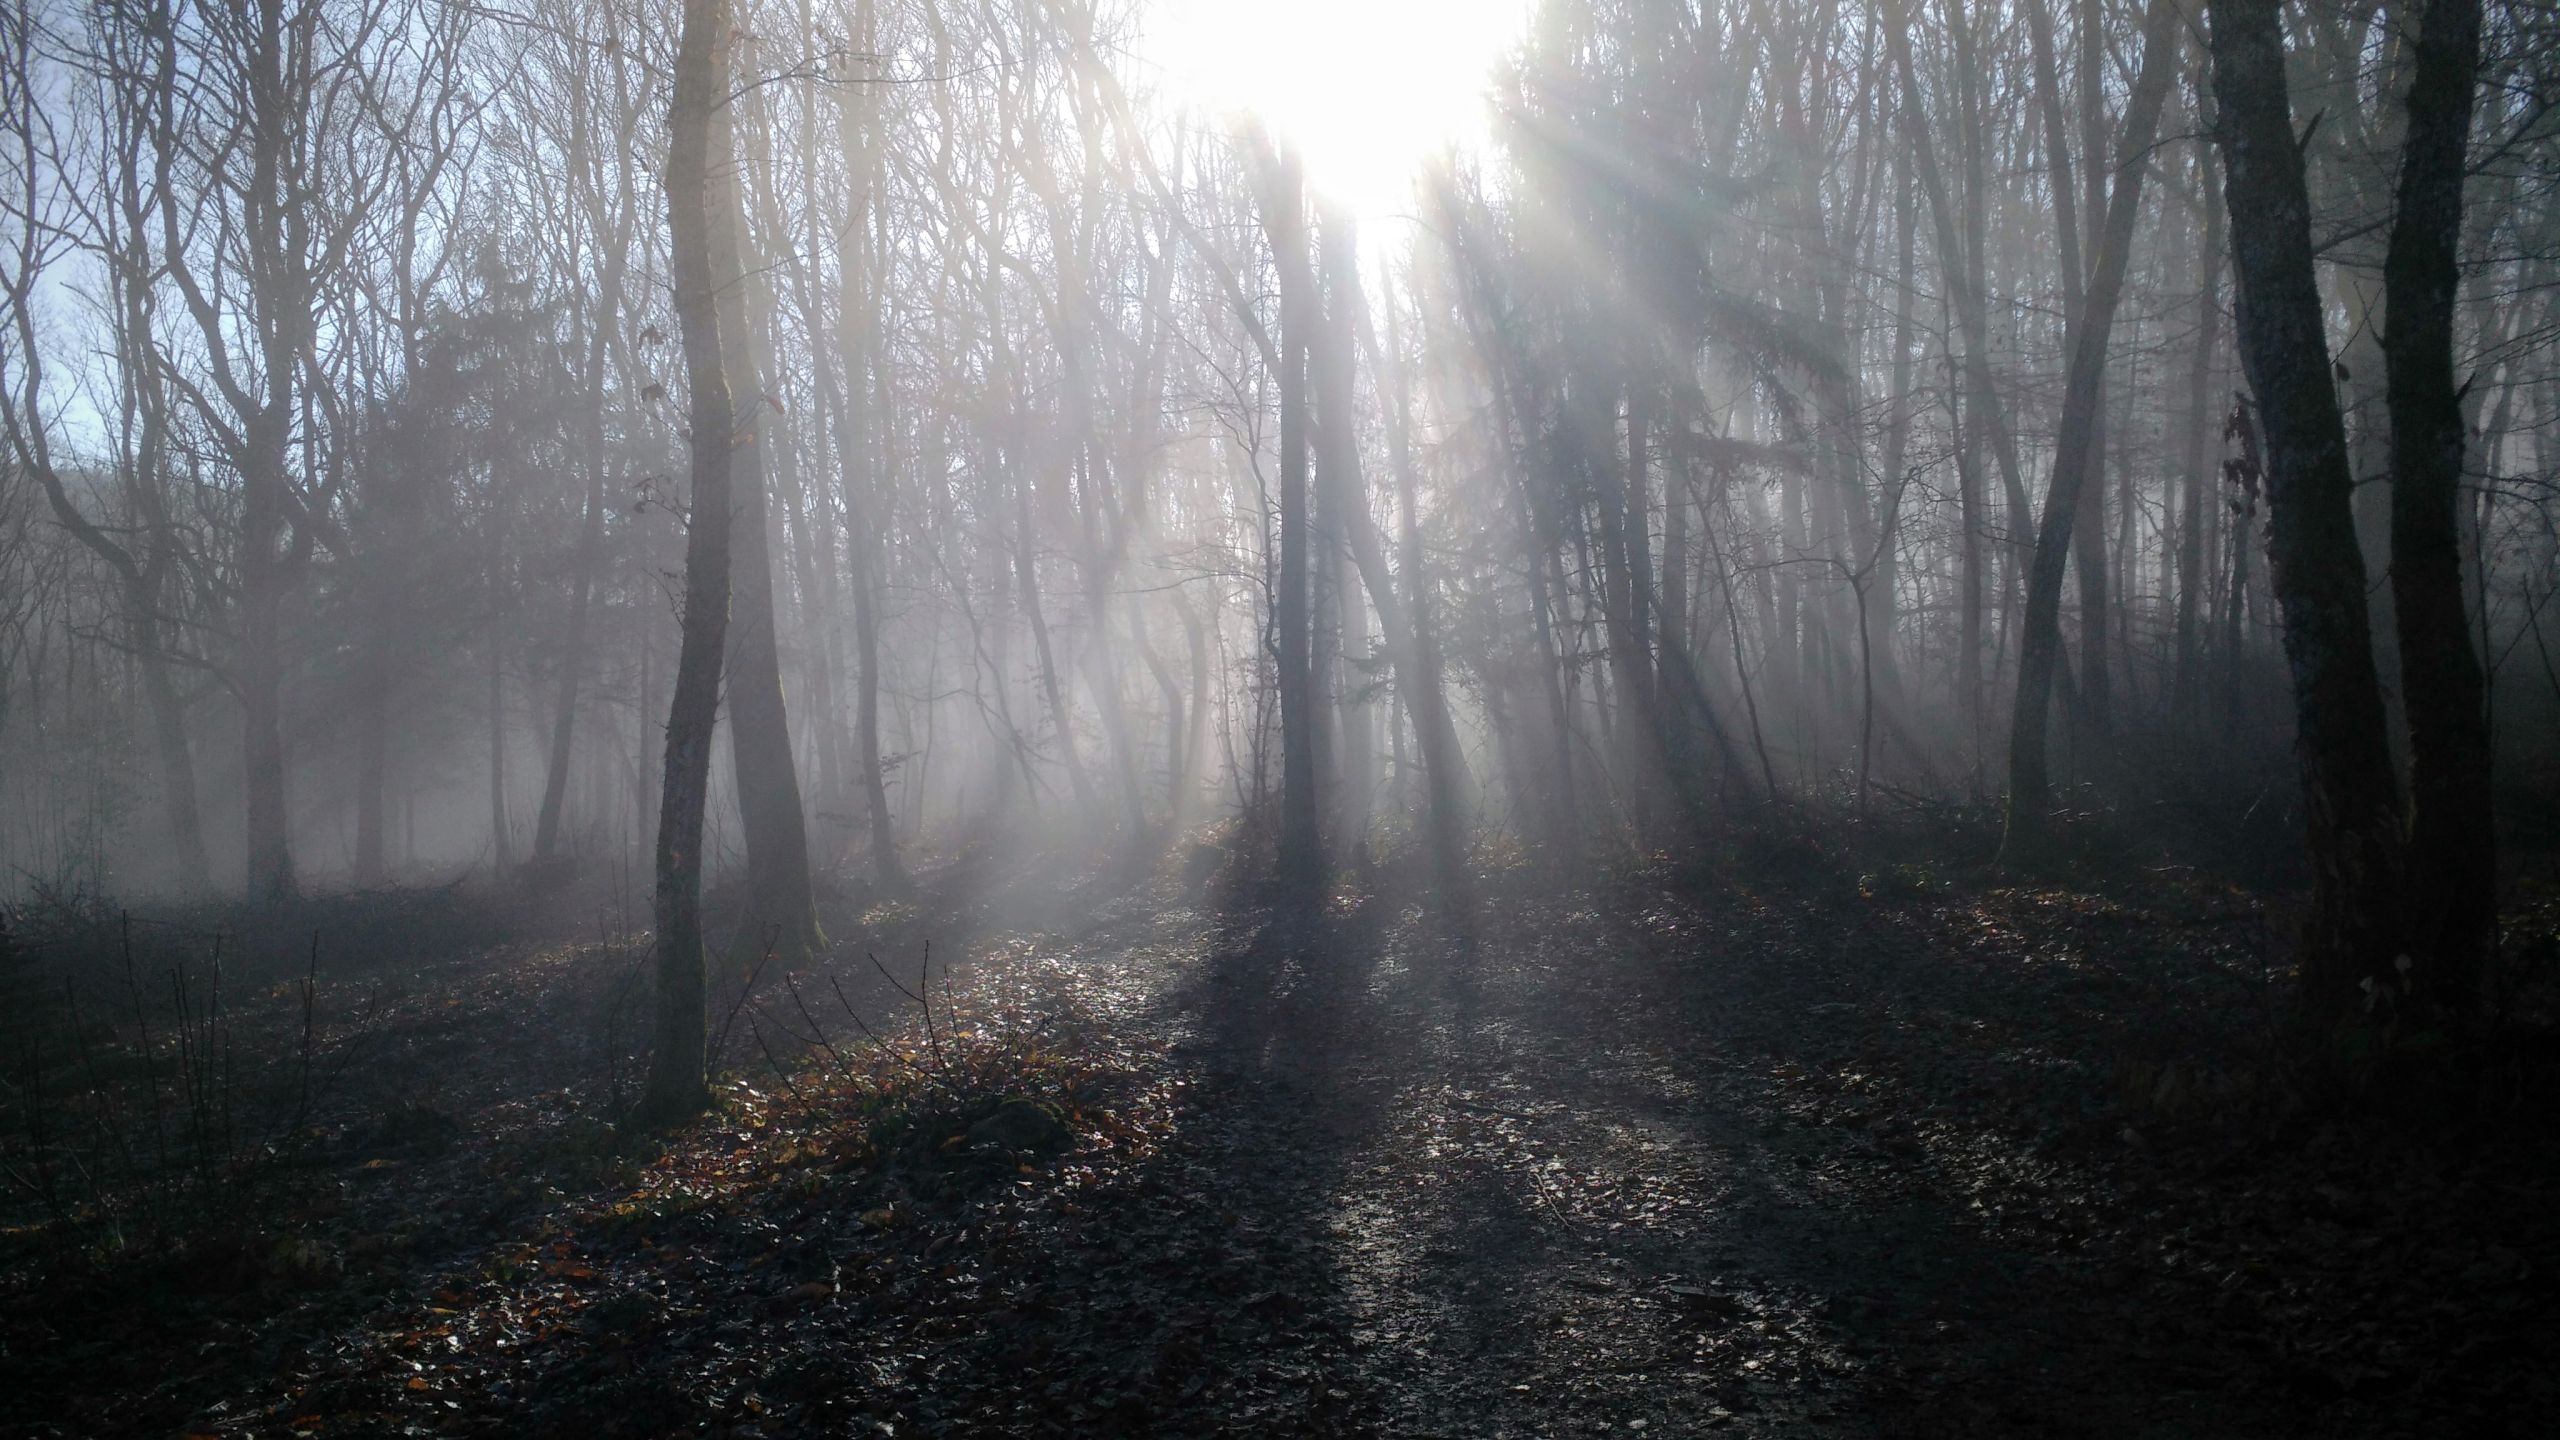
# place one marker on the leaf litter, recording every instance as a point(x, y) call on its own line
point(1645, 1153)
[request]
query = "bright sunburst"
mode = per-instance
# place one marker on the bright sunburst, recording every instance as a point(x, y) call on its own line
point(1366, 89)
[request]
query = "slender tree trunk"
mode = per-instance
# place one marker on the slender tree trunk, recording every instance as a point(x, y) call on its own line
point(2197, 507)
point(280, 311)
point(783, 912)
point(573, 657)
point(1195, 642)
point(2350, 807)
point(372, 706)
point(1962, 267)
point(501, 836)
point(863, 452)
point(2076, 453)
point(2240, 542)
point(1284, 220)
point(1413, 637)
point(2452, 878)
point(1026, 572)
point(675, 1088)
point(1345, 521)
point(261, 666)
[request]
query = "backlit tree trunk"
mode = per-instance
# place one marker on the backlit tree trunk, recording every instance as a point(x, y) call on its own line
point(2350, 807)
point(675, 1087)
point(2452, 879)
point(782, 912)
point(1284, 219)
point(2076, 452)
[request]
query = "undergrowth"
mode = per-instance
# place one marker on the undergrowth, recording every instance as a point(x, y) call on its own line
point(974, 1088)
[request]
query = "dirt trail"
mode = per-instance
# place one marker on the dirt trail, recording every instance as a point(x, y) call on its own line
point(1633, 1163)
point(1646, 1155)
point(1554, 1192)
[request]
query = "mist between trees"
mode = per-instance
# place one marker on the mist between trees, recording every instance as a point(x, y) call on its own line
point(422, 420)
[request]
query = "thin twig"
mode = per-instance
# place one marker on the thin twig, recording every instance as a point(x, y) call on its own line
point(779, 1073)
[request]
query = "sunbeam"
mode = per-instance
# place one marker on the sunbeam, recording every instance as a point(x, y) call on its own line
point(1367, 90)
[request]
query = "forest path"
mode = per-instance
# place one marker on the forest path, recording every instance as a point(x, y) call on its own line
point(1627, 1164)
point(1650, 1154)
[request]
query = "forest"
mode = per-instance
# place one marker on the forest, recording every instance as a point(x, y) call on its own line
point(1229, 717)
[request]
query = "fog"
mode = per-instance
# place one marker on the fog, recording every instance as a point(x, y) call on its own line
point(1664, 442)
point(1312, 717)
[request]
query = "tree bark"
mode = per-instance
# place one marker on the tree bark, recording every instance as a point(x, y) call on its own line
point(372, 719)
point(1301, 856)
point(276, 232)
point(1413, 638)
point(2350, 807)
point(675, 1088)
point(2076, 453)
point(1345, 521)
point(2452, 859)
point(783, 912)
point(573, 658)
point(1960, 265)
point(863, 451)
point(2196, 508)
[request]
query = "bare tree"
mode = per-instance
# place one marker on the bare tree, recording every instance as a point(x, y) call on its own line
point(702, 250)
point(2351, 810)
point(2453, 872)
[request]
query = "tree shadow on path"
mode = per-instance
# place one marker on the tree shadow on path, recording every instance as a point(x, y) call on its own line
point(1640, 1160)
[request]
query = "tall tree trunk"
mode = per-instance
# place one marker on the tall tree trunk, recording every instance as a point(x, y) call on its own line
point(783, 912)
point(2350, 807)
point(2076, 453)
point(280, 312)
point(1026, 574)
point(1961, 265)
point(863, 451)
point(1185, 784)
point(261, 664)
point(501, 837)
point(372, 706)
point(1344, 519)
point(675, 1088)
point(2452, 876)
point(2196, 508)
point(1284, 220)
point(1413, 637)
point(573, 657)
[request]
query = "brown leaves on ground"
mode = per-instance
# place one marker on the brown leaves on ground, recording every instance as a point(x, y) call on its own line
point(1650, 1153)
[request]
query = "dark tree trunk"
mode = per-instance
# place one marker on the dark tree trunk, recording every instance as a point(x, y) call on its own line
point(1284, 219)
point(1413, 638)
point(501, 836)
point(1344, 519)
point(861, 414)
point(1960, 264)
point(2452, 876)
point(573, 658)
point(372, 707)
point(675, 1087)
point(2076, 452)
point(261, 665)
point(2350, 807)
point(783, 912)
point(2196, 508)
point(866, 459)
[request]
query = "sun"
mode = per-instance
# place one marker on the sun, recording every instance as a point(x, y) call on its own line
point(1367, 90)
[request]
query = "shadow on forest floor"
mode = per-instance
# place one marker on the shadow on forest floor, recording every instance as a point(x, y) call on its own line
point(1649, 1153)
